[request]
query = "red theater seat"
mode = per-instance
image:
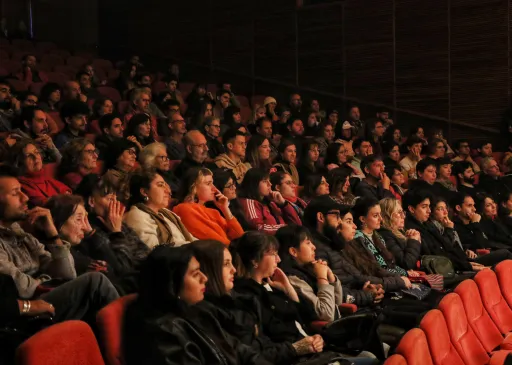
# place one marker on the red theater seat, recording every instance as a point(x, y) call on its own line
point(64, 54)
point(36, 87)
point(52, 60)
point(110, 323)
point(58, 77)
point(504, 274)
point(66, 343)
point(478, 318)
point(76, 61)
point(441, 348)
point(396, 360)
point(110, 93)
point(257, 100)
point(18, 85)
point(103, 64)
point(414, 348)
point(494, 302)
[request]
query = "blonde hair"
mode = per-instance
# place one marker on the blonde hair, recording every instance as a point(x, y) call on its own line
point(388, 207)
point(188, 190)
point(148, 155)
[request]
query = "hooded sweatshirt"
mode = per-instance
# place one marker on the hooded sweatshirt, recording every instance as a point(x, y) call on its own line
point(239, 169)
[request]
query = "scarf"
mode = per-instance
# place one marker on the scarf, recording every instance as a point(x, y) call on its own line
point(164, 232)
point(370, 246)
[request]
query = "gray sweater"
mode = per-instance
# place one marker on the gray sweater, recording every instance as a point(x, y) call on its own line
point(27, 261)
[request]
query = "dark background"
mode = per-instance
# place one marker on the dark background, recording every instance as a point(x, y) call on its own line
point(437, 62)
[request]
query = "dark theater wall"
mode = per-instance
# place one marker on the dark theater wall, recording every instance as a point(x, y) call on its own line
point(439, 60)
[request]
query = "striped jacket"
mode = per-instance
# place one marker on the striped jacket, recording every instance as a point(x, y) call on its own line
point(268, 217)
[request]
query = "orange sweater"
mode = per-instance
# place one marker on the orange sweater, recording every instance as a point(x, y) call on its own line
point(206, 223)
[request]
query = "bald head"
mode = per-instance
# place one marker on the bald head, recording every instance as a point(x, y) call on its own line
point(196, 146)
point(72, 90)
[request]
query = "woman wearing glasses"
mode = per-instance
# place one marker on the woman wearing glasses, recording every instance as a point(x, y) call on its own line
point(284, 184)
point(266, 210)
point(79, 158)
point(26, 157)
point(120, 162)
point(154, 156)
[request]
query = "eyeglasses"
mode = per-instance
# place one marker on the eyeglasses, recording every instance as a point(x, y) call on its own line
point(202, 145)
point(214, 126)
point(230, 186)
point(96, 152)
point(400, 213)
point(163, 158)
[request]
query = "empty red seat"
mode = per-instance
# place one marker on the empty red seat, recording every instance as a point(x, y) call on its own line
point(11, 66)
point(76, 61)
point(441, 348)
point(186, 87)
point(414, 348)
point(110, 93)
point(66, 343)
point(158, 86)
point(62, 53)
point(85, 54)
point(18, 85)
point(45, 47)
point(494, 302)
point(257, 100)
point(23, 44)
point(110, 323)
point(18, 55)
point(56, 117)
point(123, 106)
point(67, 70)
point(396, 360)
point(504, 274)
point(246, 113)
point(36, 87)
point(4, 72)
point(478, 318)
point(103, 64)
point(242, 100)
point(52, 60)
point(58, 77)
point(113, 74)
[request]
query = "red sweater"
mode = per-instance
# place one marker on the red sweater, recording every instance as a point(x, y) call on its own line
point(39, 188)
point(263, 219)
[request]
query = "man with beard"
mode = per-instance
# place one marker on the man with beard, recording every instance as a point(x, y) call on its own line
point(34, 125)
point(74, 114)
point(376, 183)
point(31, 264)
point(28, 72)
point(295, 106)
point(463, 172)
point(8, 107)
point(112, 130)
point(196, 149)
point(323, 217)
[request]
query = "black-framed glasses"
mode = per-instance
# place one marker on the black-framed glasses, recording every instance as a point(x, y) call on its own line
point(163, 158)
point(94, 152)
point(337, 214)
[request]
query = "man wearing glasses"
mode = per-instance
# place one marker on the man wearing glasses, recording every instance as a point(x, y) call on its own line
point(490, 179)
point(175, 146)
point(212, 128)
point(196, 150)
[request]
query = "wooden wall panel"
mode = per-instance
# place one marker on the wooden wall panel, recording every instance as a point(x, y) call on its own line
point(422, 56)
point(321, 63)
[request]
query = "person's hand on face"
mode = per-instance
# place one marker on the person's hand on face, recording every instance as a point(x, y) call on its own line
point(277, 197)
point(114, 219)
point(42, 218)
point(447, 223)
point(475, 217)
point(221, 201)
point(44, 141)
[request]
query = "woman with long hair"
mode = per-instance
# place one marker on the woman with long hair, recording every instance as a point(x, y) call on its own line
point(149, 215)
point(101, 107)
point(339, 186)
point(165, 324)
point(139, 130)
point(336, 156)
point(491, 224)
point(325, 137)
point(119, 164)
point(284, 184)
point(315, 186)
point(265, 210)
point(287, 159)
point(197, 189)
point(258, 151)
point(49, 97)
point(309, 164)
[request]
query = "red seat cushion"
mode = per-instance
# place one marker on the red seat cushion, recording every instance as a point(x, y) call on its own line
point(493, 300)
point(414, 348)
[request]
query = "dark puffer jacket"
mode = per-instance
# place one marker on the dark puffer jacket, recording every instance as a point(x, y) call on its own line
point(406, 252)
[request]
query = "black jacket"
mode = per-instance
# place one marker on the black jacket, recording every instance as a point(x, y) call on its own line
point(494, 187)
point(215, 147)
point(186, 165)
point(9, 310)
point(433, 243)
point(363, 189)
point(406, 252)
point(471, 235)
point(193, 338)
point(278, 312)
point(351, 285)
point(102, 143)
point(496, 231)
point(240, 316)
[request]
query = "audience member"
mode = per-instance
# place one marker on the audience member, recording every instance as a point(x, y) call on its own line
point(436, 149)
point(258, 153)
point(376, 183)
point(287, 159)
point(212, 134)
point(339, 187)
point(74, 114)
point(72, 92)
point(463, 172)
point(264, 128)
point(336, 157)
point(270, 105)
point(314, 186)
point(29, 72)
point(492, 226)
point(175, 146)
point(205, 223)
point(140, 101)
point(396, 187)
point(325, 137)
point(309, 160)
point(111, 130)
point(235, 146)
point(119, 164)
point(354, 117)
point(154, 157)
point(49, 97)
point(490, 180)
point(463, 150)
point(505, 211)
point(196, 149)
point(102, 106)
point(444, 174)
point(409, 162)
point(484, 149)
point(375, 135)
point(391, 154)
point(79, 158)
point(362, 148)
point(139, 130)
point(84, 80)
point(283, 183)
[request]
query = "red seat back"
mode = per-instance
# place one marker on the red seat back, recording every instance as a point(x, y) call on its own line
point(441, 348)
point(102, 64)
point(66, 343)
point(396, 360)
point(67, 70)
point(56, 117)
point(110, 93)
point(63, 53)
point(52, 60)
point(463, 338)
point(504, 274)
point(494, 302)
point(478, 318)
point(18, 85)
point(414, 348)
point(110, 323)
point(257, 100)
point(76, 61)
point(58, 77)
point(36, 87)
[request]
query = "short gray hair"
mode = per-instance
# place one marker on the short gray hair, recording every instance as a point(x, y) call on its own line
point(486, 161)
point(148, 154)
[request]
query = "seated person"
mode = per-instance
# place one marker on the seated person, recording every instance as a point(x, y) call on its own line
point(196, 152)
point(140, 104)
point(235, 145)
point(463, 151)
point(491, 181)
point(34, 125)
point(315, 186)
point(409, 162)
point(139, 130)
point(463, 172)
point(444, 173)
point(264, 209)
point(287, 159)
point(112, 129)
point(405, 246)
point(50, 97)
point(491, 224)
point(211, 127)
point(395, 174)
point(29, 72)
point(149, 215)
point(84, 79)
point(239, 314)
point(310, 277)
point(205, 223)
point(284, 184)
point(79, 158)
point(336, 157)
point(106, 219)
point(505, 211)
point(119, 164)
point(26, 157)
point(484, 149)
point(376, 183)
point(338, 184)
point(174, 142)
point(309, 164)
point(258, 153)
point(154, 156)
point(391, 153)
point(362, 148)
point(74, 114)
point(30, 263)
point(164, 324)
point(436, 149)
point(426, 170)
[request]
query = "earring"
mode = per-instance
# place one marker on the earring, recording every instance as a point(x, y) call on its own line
point(146, 198)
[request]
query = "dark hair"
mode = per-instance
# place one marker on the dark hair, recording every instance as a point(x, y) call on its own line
point(141, 180)
point(106, 120)
point(337, 178)
point(24, 95)
point(166, 105)
point(433, 144)
point(71, 154)
point(459, 167)
point(292, 120)
point(424, 163)
point(27, 55)
point(98, 104)
point(367, 161)
point(413, 197)
point(93, 184)
point(16, 157)
point(79, 74)
point(133, 123)
point(222, 92)
point(27, 114)
point(482, 143)
point(230, 136)
point(304, 158)
point(412, 140)
point(458, 199)
point(388, 147)
point(250, 248)
point(503, 211)
point(389, 134)
point(72, 108)
point(47, 89)
point(436, 199)
point(415, 129)
point(356, 144)
point(171, 78)
point(252, 154)
point(311, 183)
point(291, 236)
point(331, 154)
point(115, 149)
point(141, 75)
point(62, 207)
point(249, 188)
point(362, 207)
point(458, 142)
point(210, 254)
point(285, 143)
point(229, 112)
point(480, 202)
point(221, 177)
point(259, 122)
point(8, 171)
point(161, 278)
point(277, 177)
